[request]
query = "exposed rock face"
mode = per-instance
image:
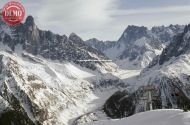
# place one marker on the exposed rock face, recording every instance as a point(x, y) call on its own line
point(132, 33)
point(12, 111)
point(100, 45)
point(180, 46)
point(120, 105)
point(166, 34)
point(14, 117)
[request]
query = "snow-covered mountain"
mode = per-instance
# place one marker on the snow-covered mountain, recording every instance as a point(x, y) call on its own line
point(167, 77)
point(44, 78)
point(50, 45)
point(157, 117)
point(137, 46)
point(46, 92)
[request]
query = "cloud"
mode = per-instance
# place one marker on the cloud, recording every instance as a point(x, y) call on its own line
point(104, 19)
point(140, 4)
point(78, 16)
point(170, 9)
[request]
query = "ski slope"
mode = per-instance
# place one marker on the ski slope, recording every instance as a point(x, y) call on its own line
point(156, 117)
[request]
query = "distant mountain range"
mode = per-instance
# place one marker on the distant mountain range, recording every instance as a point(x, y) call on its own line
point(138, 45)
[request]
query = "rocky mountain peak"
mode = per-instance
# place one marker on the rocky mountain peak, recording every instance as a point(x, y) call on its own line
point(166, 33)
point(48, 44)
point(133, 28)
point(94, 40)
point(179, 45)
point(29, 21)
point(75, 37)
point(133, 33)
point(187, 28)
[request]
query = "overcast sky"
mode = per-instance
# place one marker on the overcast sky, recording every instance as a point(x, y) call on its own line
point(104, 19)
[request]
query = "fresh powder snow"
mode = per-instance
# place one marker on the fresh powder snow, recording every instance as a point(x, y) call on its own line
point(155, 117)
